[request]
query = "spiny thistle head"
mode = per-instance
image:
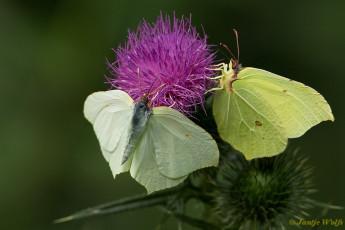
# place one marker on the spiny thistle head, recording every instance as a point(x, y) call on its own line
point(263, 193)
point(168, 54)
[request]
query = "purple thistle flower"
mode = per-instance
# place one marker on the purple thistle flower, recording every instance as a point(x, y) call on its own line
point(172, 61)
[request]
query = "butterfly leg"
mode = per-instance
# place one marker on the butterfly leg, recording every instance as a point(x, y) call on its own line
point(172, 104)
point(154, 97)
point(218, 88)
point(215, 78)
point(214, 89)
point(218, 67)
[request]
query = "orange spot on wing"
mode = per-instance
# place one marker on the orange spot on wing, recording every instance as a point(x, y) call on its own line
point(258, 123)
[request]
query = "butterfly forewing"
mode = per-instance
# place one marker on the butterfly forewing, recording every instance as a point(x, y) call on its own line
point(298, 106)
point(110, 113)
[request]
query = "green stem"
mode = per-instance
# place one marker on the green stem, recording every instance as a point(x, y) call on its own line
point(192, 221)
point(122, 205)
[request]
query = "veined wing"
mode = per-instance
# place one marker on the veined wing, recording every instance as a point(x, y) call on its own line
point(115, 157)
point(246, 121)
point(181, 146)
point(144, 168)
point(110, 113)
point(298, 106)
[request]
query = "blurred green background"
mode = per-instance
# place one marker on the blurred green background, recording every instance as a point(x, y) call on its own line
point(52, 56)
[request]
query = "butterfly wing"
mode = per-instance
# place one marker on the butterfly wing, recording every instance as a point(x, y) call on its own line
point(170, 148)
point(115, 157)
point(110, 113)
point(264, 110)
point(298, 106)
point(144, 168)
point(181, 147)
point(246, 121)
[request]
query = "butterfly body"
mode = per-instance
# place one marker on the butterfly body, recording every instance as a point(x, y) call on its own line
point(141, 115)
point(229, 75)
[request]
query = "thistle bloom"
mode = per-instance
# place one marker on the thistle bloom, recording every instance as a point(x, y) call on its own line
point(172, 60)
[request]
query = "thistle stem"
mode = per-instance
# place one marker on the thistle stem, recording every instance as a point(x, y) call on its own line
point(125, 204)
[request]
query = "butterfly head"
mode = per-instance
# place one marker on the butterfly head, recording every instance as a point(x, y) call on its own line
point(235, 66)
point(145, 98)
point(234, 61)
point(229, 72)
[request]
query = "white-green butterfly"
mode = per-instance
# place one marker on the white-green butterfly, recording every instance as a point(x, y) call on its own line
point(159, 146)
point(257, 111)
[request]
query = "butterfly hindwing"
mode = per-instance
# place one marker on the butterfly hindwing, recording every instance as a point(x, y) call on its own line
point(144, 168)
point(181, 147)
point(245, 121)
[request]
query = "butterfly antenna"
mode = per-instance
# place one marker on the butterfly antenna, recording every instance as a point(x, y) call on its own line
point(138, 72)
point(223, 53)
point(148, 92)
point(238, 47)
point(154, 91)
point(158, 88)
point(227, 48)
